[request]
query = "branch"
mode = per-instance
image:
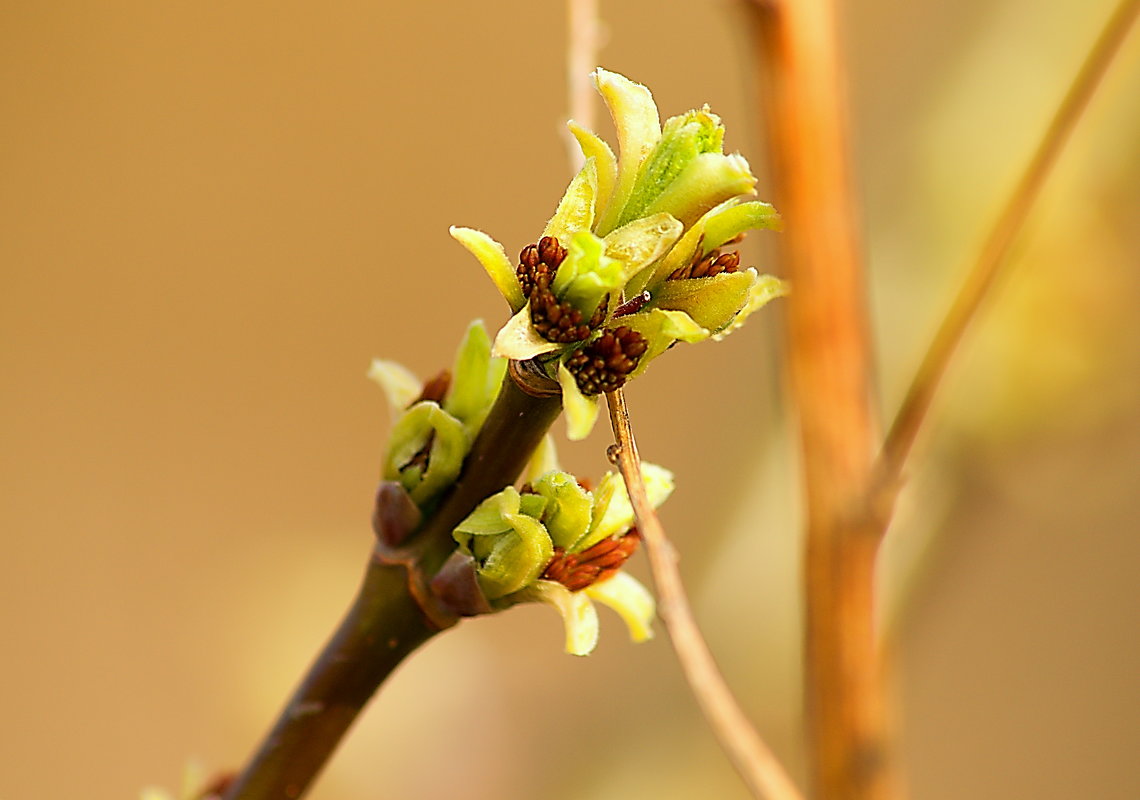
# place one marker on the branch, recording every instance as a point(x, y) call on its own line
point(829, 366)
point(393, 613)
point(916, 405)
point(756, 764)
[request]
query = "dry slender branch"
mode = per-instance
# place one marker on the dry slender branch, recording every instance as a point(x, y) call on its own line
point(761, 771)
point(916, 404)
point(829, 368)
point(581, 58)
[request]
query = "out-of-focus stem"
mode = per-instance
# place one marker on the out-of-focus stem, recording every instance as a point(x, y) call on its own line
point(829, 367)
point(915, 406)
point(761, 771)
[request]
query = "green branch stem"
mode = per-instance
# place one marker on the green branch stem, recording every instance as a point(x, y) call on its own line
point(753, 760)
point(386, 621)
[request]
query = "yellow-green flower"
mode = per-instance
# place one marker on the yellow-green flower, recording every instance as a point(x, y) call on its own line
point(630, 263)
point(558, 543)
point(437, 421)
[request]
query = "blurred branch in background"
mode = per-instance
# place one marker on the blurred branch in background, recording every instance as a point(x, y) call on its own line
point(993, 256)
point(849, 505)
point(829, 365)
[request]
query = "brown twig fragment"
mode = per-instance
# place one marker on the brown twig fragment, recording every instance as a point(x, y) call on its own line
point(761, 771)
point(829, 367)
point(909, 419)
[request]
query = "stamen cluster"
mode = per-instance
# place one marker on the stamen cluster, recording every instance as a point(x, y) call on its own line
point(604, 364)
point(713, 263)
point(555, 320)
point(576, 571)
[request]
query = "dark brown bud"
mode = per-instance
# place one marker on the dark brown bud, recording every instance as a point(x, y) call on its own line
point(538, 264)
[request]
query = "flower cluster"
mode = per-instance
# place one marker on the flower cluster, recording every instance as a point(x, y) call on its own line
point(437, 421)
point(557, 542)
point(631, 262)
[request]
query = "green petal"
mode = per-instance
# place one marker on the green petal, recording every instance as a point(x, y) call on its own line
point(489, 517)
point(711, 302)
point(575, 211)
point(643, 241)
point(494, 260)
point(729, 220)
point(765, 289)
point(613, 513)
point(661, 328)
point(581, 411)
point(638, 129)
point(399, 384)
point(683, 138)
point(476, 378)
point(624, 594)
point(448, 447)
point(519, 340)
point(568, 510)
point(578, 614)
point(709, 179)
point(517, 558)
point(595, 147)
point(587, 274)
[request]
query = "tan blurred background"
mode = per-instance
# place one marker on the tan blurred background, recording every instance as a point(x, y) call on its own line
point(212, 216)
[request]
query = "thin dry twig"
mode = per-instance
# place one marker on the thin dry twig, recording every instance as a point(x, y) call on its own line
point(761, 771)
point(916, 405)
point(581, 58)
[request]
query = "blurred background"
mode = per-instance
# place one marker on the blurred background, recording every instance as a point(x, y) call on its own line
point(212, 216)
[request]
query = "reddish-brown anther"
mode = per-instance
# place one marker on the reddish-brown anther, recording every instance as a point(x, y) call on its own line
point(576, 571)
point(604, 364)
point(713, 263)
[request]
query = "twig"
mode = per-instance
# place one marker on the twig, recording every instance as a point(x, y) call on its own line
point(829, 367)
point(581, 58)
point(761, 771)
point(909, 419)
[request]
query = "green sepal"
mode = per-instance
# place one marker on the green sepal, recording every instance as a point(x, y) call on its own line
point(711, 302)
point(581, 411)
point(448, 447)
point(683, 138)
point(593, 146)
point(516, 558)
point(638, 127)
point(640, 243)
point(633, 602)
point(613, 513)
point(708, 180)
point(494, 259)
point(568, 508)
point(519, 340)
point(587, 274)
point(765, 289)
point(579, 618)
point(400, 384)
point(487, 519)
point(476, 379)
point(661, 328)
point(534, 505)
point(575, 211)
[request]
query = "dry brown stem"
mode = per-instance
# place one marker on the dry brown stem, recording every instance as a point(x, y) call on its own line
point(761, 771)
